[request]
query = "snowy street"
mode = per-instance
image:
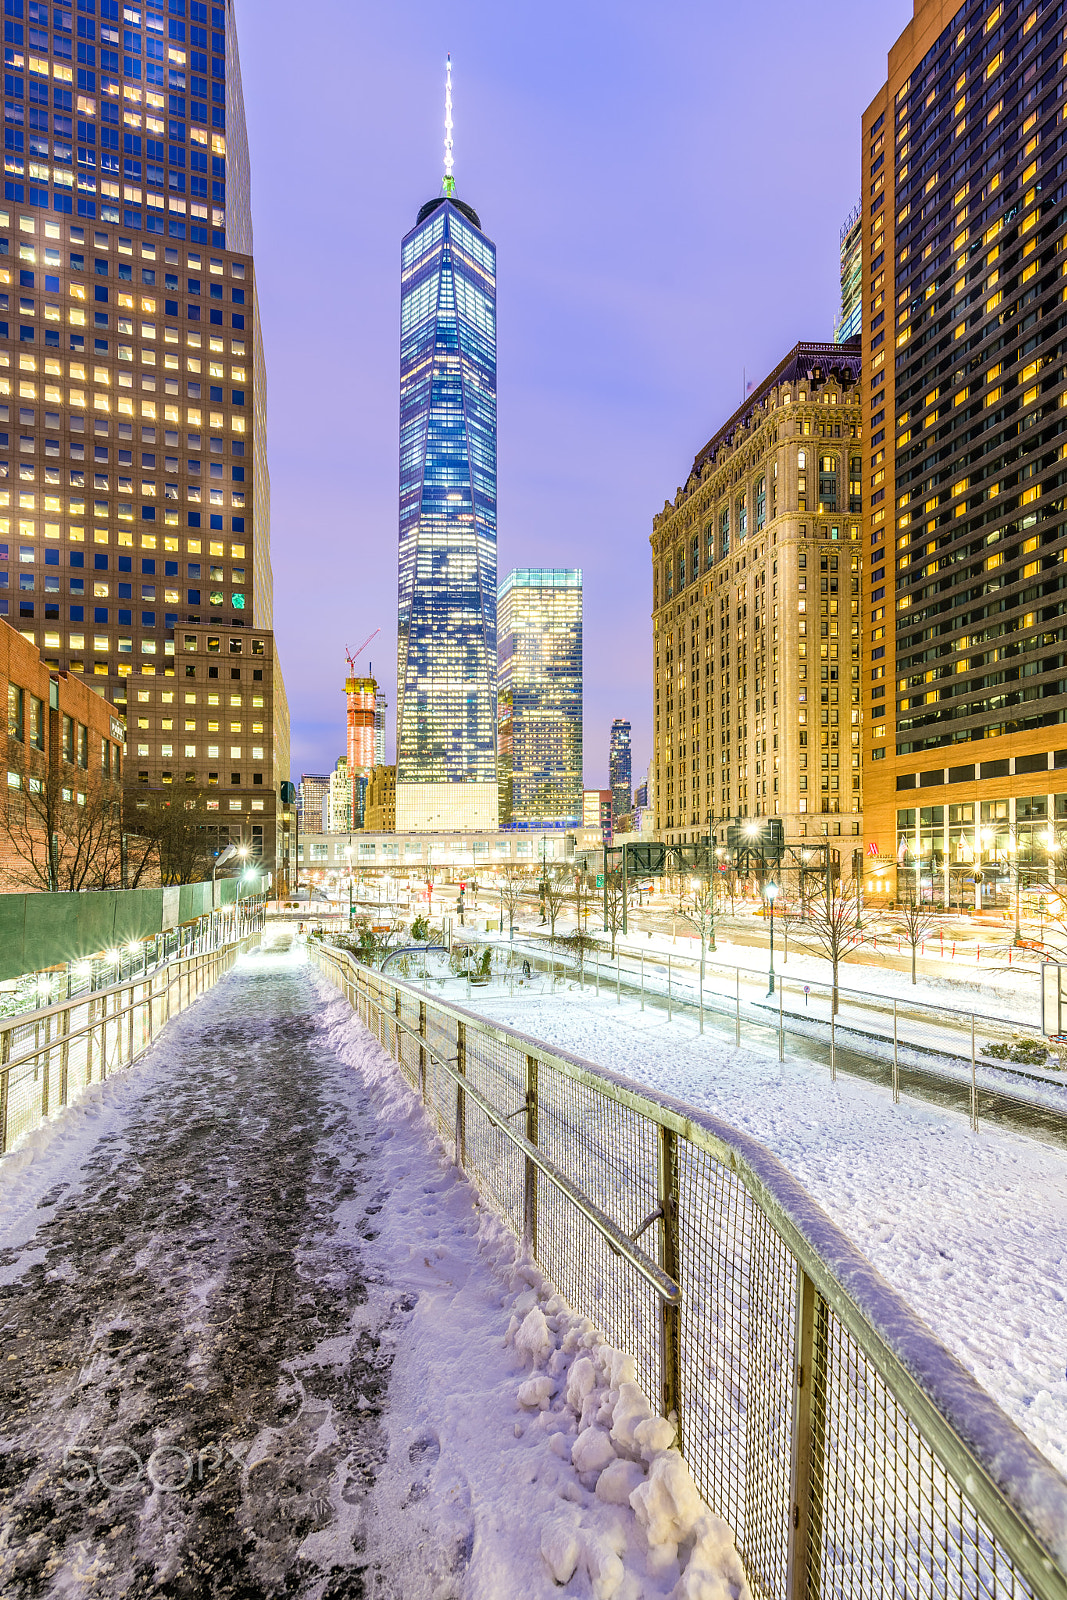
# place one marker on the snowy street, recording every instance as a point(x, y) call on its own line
point(258, 1337)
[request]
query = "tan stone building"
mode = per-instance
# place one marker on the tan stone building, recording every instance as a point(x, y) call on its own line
point(210, 719)
point(756, 570)
point(380, 812)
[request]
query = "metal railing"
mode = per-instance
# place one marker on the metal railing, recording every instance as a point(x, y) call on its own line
point(849, 1451)
point(948, 1054)
point(50, 1057)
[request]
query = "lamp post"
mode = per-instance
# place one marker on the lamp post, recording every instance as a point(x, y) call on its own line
point(771, 891)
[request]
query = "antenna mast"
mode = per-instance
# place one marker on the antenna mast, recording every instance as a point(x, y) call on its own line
point(450, 182)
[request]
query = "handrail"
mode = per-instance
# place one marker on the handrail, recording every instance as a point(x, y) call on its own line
point(1010, 1484)
point(620, 1242)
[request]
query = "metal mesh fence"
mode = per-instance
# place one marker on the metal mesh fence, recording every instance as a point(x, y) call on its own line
point(840, 1470)
point(49, 1059)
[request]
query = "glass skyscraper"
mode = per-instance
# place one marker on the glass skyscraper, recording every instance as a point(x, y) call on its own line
point(619, 771)
point(540, 670)
point(446, 647)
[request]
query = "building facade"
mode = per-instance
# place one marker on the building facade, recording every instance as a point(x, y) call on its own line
point(539, 619)
point(620, 774)
point(965, 624)
point(380, 814)
point(596, 811)
point(313, 789)
point(217, 721)
point(850, 322)
point(132, 401)
point(56, 725)
point(756, 572)
point(446, 646)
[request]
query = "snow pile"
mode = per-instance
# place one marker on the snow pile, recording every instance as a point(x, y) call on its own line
point(522, 1452)
point(640, 1528)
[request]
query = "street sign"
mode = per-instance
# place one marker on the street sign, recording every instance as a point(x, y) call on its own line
point(600, 880)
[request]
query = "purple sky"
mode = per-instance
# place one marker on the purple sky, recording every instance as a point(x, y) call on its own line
point(665, 187)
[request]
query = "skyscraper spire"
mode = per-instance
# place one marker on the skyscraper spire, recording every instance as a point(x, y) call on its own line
point(450, 182)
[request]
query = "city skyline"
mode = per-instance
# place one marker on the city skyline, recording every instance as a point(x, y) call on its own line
point(610, 359)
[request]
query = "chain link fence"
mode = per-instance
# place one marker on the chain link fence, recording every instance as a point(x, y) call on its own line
point(848, 1450)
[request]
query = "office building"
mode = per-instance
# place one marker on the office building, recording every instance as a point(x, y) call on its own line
point(380, 815)
point(850, 321)
point(596, 811)
point(539, 623)
point(380, 705)
point(338, 805)
point(132, 404)
point(210, 723)
point(756, 571)
point(446, 645)
point(619, 772)
point(964, 624)
point(361, 698)
point(314, 788)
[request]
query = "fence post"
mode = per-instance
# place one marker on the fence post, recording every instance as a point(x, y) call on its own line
point(64, 1056)
point(670, 1002)
point(781, 1021)
point(461, 1099)
point(737, 1009)
point(670, 1315)
point(974, 1081)
point(642, 980)
point(46, 1073)
point(129, 1026)
point(399, 1035)
point(807, 1456)
point(896, 1078)
point(529, 1208)
point(833, 1039)
point(5, 1060)
point(422, 1050)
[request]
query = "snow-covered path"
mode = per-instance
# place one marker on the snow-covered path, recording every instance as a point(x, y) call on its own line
point(258, 1338)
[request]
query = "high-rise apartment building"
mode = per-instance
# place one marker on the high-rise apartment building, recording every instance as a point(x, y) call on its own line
point(756, 572)
point(850, 322)
point(619, 768)
point(964, 616)
point(446, 646)
point(132, 404)
point(539, 622)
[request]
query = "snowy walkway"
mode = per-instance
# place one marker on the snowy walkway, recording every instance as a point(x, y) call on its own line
point(258, 1338)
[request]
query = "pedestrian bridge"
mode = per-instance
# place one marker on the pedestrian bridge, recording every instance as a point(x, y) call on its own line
point(174, 1301)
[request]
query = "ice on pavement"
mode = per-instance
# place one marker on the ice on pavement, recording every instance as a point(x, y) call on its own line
point(260, 1337)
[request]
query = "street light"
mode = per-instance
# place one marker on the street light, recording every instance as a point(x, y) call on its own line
point(771, 891)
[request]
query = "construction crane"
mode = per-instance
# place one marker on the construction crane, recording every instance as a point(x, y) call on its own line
point(351, 659)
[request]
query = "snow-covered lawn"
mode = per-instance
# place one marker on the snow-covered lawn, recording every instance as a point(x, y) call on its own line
point(971, 1229)
point(261, 1337)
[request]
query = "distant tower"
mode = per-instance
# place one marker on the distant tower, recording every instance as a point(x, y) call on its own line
point(539, 665)
point(361, 694)
point(446, 629)
point(849, 324)
point(619, 768)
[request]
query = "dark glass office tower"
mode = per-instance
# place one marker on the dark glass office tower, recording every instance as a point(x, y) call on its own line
point(964, 380)
point(446, 651)
point(135, 515)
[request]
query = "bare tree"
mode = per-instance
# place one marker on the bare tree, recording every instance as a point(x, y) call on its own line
point(513, 886)
point(581, 898)
point(555, 891)
point(64, 830)
point(179, 827)
point(614, 904)
point(700, 914)
point(791, 920)
point(918, 919)
point(833, 924)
